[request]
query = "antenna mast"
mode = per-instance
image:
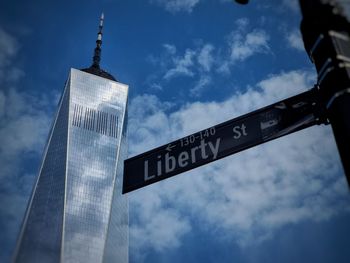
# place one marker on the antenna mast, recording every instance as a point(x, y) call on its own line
point(97, 52)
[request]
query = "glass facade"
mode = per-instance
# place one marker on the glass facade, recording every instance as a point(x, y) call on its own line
point(77, 212)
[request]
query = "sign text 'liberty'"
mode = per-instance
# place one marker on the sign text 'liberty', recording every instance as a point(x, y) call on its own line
point(217, 142)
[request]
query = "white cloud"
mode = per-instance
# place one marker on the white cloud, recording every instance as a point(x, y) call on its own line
point(198, 63)
point(153, 115)
point(174, 6)
point(8, 47)
point(242, 23)
point(286, 84)
point(200, 85)
point(182, 66)
point(156, 86)
point(244, 197)
point(153, 214)
point(291, 5)
point(224, 68)
point(194, 63)
point(243, 47)
point(14, 74)
point(242, 43)
point(294, 40)
point(24, 123)
point(171, 49)
point(205, 57)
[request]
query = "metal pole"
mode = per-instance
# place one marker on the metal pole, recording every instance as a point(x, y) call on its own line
point(325, 30)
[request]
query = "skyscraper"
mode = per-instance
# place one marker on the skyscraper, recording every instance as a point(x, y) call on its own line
point(76, 212)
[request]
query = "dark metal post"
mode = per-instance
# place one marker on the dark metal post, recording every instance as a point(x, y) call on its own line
point(326, 35)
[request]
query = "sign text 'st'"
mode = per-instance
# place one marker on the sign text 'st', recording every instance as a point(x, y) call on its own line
point(216, 142)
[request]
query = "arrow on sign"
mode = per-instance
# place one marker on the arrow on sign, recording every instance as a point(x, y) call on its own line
point(170, 147)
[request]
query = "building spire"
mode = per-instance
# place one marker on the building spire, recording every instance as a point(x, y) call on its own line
point(97, 52)
point(95, 67)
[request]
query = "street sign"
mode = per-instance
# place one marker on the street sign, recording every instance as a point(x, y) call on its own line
point(221, 140)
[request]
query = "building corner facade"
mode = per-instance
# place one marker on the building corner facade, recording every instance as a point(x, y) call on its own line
point(77, 212)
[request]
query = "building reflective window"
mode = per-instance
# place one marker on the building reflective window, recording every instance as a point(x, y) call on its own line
point(77, 212)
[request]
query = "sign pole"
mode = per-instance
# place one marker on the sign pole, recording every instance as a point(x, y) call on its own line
point(325, 30)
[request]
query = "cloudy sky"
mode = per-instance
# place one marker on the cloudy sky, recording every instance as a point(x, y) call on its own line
point(190, 64)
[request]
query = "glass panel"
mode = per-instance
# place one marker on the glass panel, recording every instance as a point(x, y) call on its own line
point(93, 150)
point(80, 183)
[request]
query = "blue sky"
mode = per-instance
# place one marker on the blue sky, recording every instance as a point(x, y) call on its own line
point(190, 64)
